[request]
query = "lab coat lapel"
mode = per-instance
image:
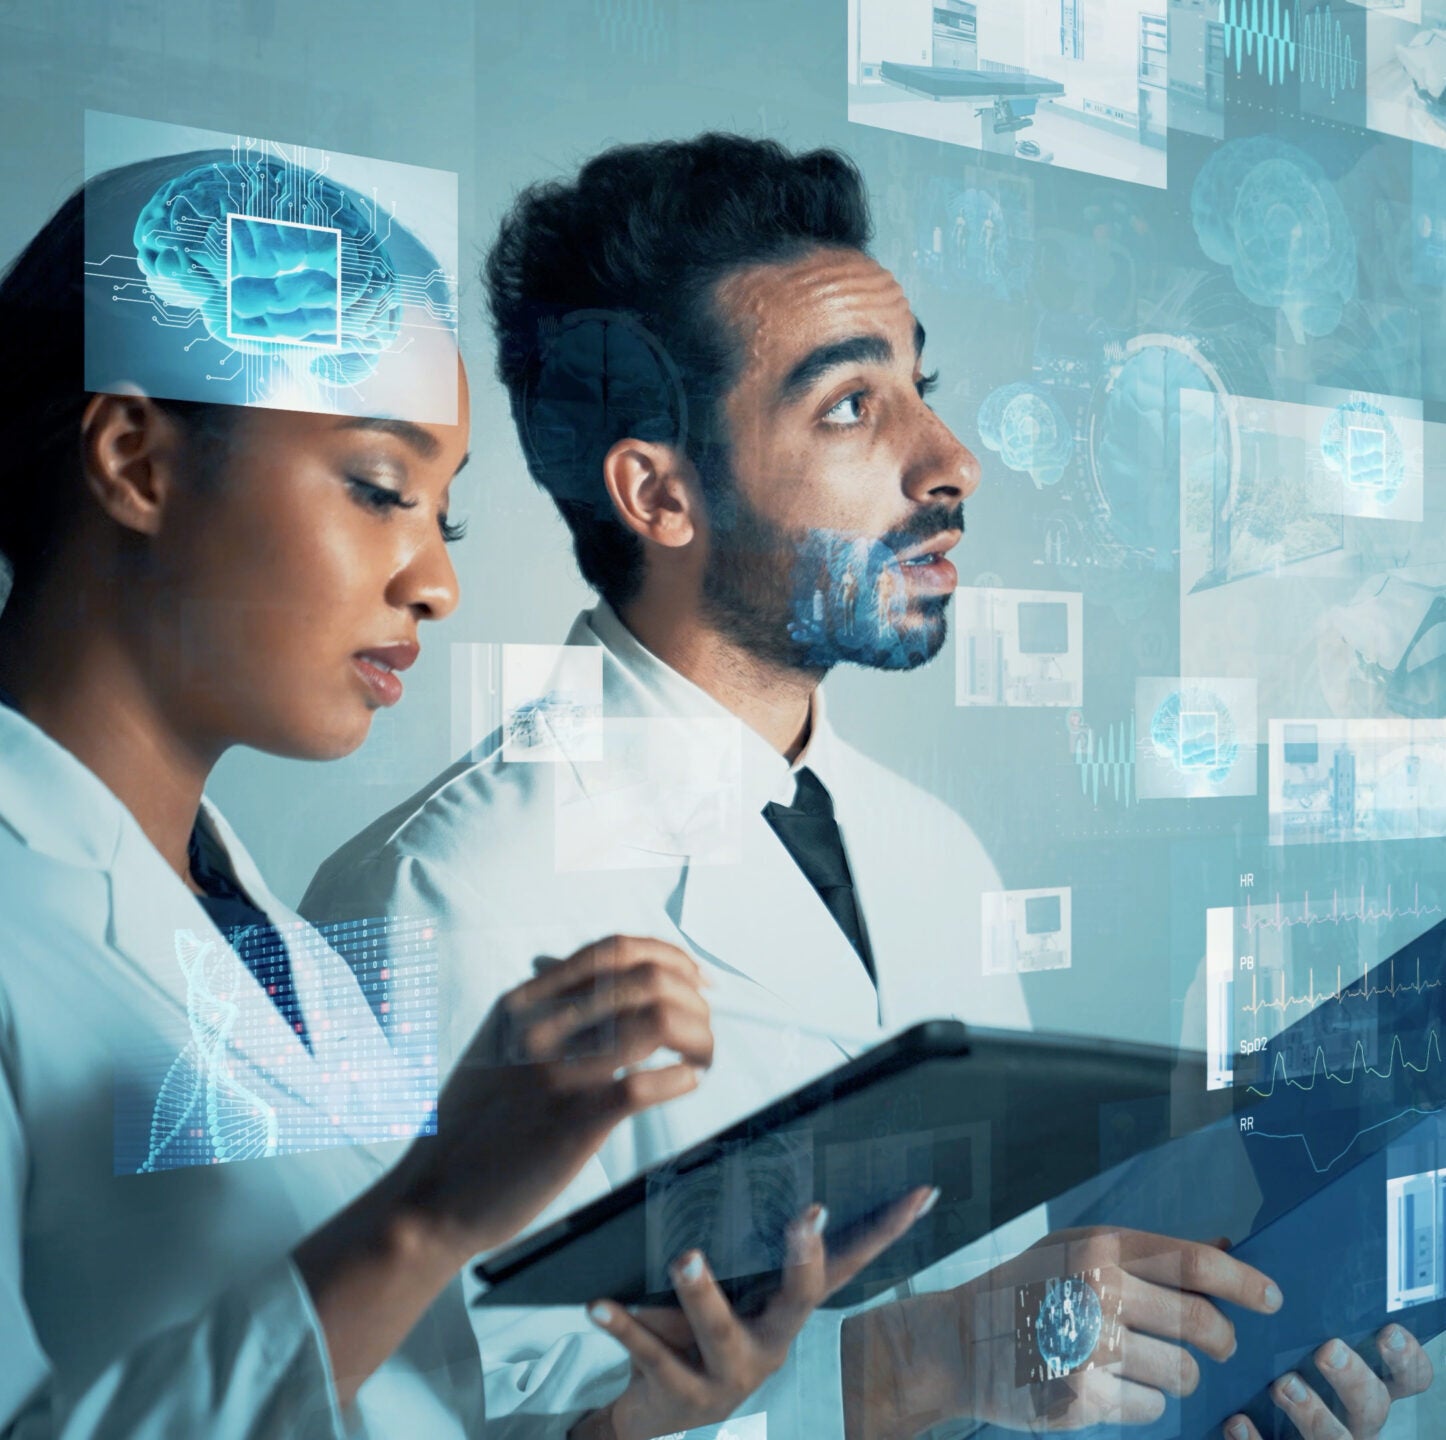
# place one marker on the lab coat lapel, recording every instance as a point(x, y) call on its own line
point(763, 919)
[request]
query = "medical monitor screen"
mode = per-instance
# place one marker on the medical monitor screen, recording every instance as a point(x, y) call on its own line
point(1043, 627)
point(1041, 915)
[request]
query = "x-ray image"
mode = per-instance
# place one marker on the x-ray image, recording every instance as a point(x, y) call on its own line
point(1019, 647)
point(552, 703)
point(737, 1212)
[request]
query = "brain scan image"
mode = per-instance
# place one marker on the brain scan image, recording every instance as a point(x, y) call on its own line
point(248, 272)
point(1029, 432)
point(1268, 211)
point(1360, 443)
point(1197, 738)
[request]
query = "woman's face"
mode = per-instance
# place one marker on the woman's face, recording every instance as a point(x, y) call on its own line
point(297, 578)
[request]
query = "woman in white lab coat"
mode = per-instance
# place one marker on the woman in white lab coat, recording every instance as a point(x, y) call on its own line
point(187, 578)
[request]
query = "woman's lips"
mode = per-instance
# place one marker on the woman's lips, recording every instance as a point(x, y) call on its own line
point(384, 684)
point(379, 666)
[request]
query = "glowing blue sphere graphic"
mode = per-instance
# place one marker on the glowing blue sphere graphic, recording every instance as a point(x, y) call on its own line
point(1068, 1325)
point(277, 262)
point(1194, 730)
point(1361, 445)
point(1025, 427)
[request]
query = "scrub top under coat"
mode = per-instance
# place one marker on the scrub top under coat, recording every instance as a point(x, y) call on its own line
point(165, 1304)
point(650, 822)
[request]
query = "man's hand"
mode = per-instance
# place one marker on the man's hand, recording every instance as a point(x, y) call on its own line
point(976, 1352)
point(695, 1367)
point(547, 1078)
point(1365, 1398)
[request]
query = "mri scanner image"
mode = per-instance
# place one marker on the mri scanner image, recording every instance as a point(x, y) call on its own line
point(1050, 640)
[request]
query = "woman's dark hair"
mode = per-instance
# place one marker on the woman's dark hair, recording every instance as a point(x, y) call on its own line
point(602, 289)
point(43, 319)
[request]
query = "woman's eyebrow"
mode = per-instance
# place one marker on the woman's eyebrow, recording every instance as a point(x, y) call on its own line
point(422, 441)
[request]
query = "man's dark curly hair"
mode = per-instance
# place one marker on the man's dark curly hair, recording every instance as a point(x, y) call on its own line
point(602, 291)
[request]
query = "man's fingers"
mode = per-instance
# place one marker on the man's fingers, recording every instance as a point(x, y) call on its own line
point(1093, 1397)
point(1408, 1367)
point(649, 1353)
point(1362, 1392)
point(1158, 1364)
point(1240, 1427)
point(1308, 1412)
point(1175, 1315)
point(846, 1262)
point(1203, 1269)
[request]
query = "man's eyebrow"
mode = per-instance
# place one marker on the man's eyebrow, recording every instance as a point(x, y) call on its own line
point(422, 441)
point(856, 350)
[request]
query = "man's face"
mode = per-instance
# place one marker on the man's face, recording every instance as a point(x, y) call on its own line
point(826, 542)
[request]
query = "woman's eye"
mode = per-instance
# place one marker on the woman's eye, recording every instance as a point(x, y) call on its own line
point(848, 411)
point(377, 497)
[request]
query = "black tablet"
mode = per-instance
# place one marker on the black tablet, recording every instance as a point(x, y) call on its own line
point(1000, 1121)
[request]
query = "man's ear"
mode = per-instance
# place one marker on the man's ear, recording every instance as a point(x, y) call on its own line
point(130, 450)
point(654, 490)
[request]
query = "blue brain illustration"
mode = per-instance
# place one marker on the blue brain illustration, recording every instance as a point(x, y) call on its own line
point(277, 261)
point(1361, 445)
point(1269, 212)
point(1025, 427)
point(1194, 730)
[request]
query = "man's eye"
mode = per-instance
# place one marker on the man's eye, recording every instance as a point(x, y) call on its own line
point(848, 411)
point(377, 497)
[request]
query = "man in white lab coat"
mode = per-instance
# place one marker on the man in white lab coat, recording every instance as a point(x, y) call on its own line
point(724, 394)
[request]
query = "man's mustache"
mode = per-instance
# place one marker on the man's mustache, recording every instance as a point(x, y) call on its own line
point(924, 525)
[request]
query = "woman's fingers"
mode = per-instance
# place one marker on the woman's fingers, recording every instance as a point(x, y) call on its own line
point(650, 1354)
point(846, 1262)
point(566, 1025)
point(723, 1343)
point(604, 958)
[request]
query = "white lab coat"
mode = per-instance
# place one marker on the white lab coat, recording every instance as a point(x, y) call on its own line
point(479, 849)
point(164, 1304)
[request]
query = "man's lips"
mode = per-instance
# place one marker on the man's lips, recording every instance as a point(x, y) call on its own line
point(926, 567)
point(380, 665)
point(933, 549)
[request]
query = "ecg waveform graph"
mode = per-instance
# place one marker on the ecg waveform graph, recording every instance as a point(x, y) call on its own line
point(1360, 990)
point(1280, 916)
point(1281, 41)
point(1108, 762)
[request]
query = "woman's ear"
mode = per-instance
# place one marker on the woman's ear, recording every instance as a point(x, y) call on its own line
point(654, 490)
point(130, 449)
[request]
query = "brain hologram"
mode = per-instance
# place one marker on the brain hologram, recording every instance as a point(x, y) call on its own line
point(276, 259)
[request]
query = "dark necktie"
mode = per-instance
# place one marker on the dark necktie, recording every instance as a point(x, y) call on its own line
point(811, 835)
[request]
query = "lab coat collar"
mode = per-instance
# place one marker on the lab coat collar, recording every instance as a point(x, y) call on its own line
point(760, 918)
point(766, 775)
point(59, 808)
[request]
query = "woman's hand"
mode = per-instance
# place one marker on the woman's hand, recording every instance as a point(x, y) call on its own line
point(1365, 1398)
point(548, 1076)
point(695, 1367)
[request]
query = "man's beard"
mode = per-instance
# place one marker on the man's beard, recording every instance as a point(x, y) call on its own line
point(812, 599)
